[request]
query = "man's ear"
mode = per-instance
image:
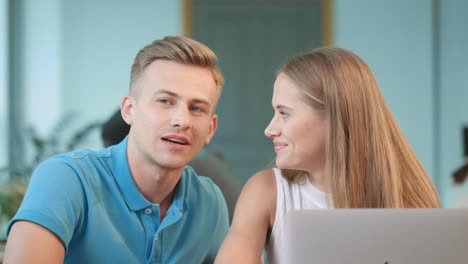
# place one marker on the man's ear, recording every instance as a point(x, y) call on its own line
point(213, 127)
point(126, 109)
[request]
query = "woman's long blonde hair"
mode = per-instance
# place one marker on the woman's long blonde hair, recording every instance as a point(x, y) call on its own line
point(369, 163)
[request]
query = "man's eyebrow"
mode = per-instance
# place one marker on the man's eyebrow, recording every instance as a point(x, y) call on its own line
point(166, 92)
point(202, 101)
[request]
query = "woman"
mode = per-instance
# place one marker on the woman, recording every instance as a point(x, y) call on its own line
point(337, 146)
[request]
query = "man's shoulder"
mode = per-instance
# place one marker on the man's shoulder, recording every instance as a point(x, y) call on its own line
point(85, 153)
point(77, 162)
point(204, 198)
point(200, 187)
point(73, 157)
point(191, 177)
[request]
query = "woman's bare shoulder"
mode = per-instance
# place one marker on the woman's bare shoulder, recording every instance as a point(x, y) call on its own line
point(260, 192)
point(263, 179)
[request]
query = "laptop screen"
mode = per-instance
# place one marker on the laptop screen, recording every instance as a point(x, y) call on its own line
point(377, 236)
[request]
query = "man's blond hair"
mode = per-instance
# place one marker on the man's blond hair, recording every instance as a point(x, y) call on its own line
point(177, 49)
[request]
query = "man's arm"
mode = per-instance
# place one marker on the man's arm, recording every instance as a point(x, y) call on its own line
point(253, 217)
point(32, 243)
point(48, 216)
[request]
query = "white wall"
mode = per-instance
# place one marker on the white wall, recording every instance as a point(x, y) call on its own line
point(3, 82)
point(76, 55)
point(40, 61)
point(454, 95)
point(395, 39)
point(399, 41)
point(99, 42)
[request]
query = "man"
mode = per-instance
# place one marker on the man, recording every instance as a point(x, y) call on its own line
point(135, 202)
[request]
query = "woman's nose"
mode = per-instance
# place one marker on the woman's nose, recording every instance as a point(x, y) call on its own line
point(271, 130)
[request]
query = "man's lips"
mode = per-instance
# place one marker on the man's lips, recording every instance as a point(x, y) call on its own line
point(177, 139)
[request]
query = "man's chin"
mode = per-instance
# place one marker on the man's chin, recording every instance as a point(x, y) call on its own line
point(172, 162)
point(175, 165)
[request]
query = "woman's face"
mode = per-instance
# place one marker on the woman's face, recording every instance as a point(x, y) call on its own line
point(298, 130)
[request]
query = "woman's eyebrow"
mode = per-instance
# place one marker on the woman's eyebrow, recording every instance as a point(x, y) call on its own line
point(280, 107)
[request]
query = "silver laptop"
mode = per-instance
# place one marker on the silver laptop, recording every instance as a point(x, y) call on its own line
point(378, 236)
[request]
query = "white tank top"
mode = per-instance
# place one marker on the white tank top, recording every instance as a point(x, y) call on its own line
point(290, 196)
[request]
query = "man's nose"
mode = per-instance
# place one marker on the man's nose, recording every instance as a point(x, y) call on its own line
point(181, 117)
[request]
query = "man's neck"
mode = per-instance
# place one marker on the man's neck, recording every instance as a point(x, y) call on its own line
point(156, 184)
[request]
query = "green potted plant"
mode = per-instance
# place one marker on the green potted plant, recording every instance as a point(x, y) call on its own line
point(12, 191)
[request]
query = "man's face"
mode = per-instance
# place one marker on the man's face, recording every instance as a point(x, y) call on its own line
point(171, 113)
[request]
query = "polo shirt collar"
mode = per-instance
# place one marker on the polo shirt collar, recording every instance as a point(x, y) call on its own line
point(132, 196)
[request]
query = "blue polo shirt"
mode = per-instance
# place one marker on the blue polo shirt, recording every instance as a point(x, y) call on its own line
point(90, 201)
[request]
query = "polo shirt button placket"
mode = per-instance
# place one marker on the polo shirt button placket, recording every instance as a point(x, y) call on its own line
point(148, 211)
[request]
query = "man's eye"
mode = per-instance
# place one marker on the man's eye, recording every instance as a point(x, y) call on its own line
point(197, 109)
point(164, 101)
